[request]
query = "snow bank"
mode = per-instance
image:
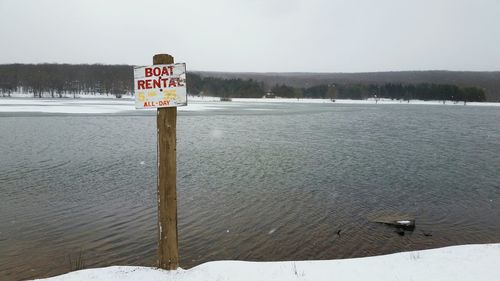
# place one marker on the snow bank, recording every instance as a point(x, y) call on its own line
point(467, 262)
point(342, 101)
point(83, 106)
point(113, 105)
point(65, 105)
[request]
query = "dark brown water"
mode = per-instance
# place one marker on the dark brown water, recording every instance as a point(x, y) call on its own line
point(276, 183)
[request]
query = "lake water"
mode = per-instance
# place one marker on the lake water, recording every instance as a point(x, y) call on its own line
point(255, 182)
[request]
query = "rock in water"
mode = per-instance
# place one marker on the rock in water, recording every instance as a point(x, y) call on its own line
point(402, 222)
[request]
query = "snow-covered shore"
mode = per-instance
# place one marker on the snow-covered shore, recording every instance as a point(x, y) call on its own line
point(456, 263)
point(88, 104)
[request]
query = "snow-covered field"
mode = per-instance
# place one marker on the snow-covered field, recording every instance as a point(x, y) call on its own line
point(457, 263)
point(99, 104)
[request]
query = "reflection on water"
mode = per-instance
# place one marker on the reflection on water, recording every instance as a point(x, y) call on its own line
point(255, 182)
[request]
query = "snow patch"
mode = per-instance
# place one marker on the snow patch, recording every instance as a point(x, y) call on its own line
point(113, 105)
point(457, 263)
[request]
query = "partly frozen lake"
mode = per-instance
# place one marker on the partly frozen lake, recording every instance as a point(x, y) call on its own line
point(256, 181)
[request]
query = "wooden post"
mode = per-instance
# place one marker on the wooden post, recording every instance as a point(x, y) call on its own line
point(168, 250)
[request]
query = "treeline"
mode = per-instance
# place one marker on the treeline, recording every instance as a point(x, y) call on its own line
point(58, 80)
point(217, 87)
point(421, 91)
point(385, 91)
point(238, 88)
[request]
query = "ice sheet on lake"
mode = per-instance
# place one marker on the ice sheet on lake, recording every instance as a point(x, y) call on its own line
point(113, 105)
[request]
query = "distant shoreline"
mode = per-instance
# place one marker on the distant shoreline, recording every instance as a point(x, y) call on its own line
point(101, 104)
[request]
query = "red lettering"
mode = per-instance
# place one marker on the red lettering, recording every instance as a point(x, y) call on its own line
point(164, 80)
point(171, 83)
point(140, 84)
point(156, 83)
point(148, 84)
point(164, 71)
point(157, 71)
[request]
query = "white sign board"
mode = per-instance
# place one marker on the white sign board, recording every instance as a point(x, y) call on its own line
point(161, 85)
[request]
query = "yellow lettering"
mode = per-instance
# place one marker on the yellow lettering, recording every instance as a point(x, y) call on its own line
point(170, 94)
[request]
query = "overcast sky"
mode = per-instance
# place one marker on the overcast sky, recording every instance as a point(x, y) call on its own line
point(258, 35)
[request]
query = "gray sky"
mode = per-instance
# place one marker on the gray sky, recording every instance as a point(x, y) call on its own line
point(258, 35)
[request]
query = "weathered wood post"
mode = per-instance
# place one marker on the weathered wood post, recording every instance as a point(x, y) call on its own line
point(168, 250)
point(163, 86)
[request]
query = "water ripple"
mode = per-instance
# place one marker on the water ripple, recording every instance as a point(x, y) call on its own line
point(290, 182)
